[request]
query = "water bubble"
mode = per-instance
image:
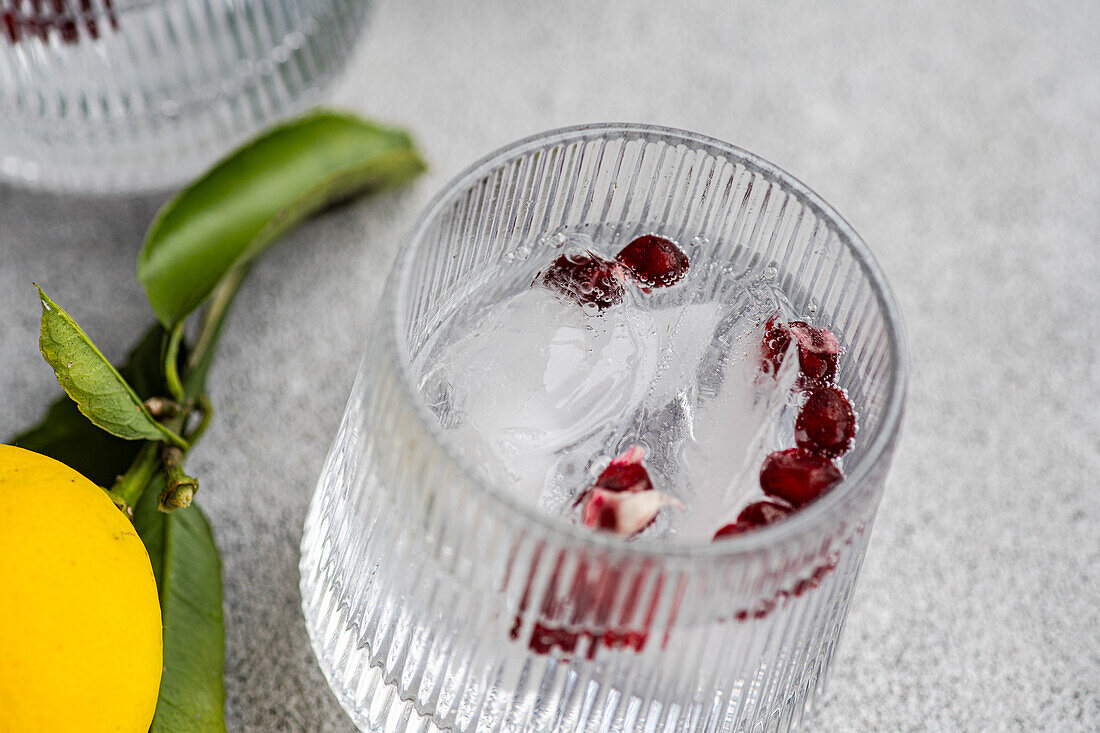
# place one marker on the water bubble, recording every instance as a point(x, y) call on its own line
point(590, 309)
point(554, 240)
point(567, 468)
point(597, 465)
point(586, 288)
point(576, 255)
point(509, 257)
point(522, 252)
point(771, 271)
point(811, 307)
point(699, 242)
point(452, 419)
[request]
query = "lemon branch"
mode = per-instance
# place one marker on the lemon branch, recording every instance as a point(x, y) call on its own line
point(179, 488)
point(129, 487)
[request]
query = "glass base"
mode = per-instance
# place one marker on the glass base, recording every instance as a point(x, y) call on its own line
point(399, 664)
point(377, 706)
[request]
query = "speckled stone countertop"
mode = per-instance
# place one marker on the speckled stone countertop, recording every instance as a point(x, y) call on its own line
point(960, 139)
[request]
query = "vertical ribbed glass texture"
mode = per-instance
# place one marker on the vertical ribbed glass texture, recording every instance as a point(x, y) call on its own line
point(130, 95)
point(423, 589)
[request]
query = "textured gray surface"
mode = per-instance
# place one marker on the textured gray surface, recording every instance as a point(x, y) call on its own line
point(960, 139)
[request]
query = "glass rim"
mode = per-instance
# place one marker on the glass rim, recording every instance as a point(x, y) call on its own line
point(798, 523)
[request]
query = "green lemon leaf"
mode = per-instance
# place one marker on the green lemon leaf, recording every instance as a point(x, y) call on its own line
point(98, 390)
point(188, 571)
point(227, 217)
point(67, 436)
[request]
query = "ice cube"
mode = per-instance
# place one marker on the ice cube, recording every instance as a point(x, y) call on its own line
point(539, 375)
point(683, 335)
point(737, 422)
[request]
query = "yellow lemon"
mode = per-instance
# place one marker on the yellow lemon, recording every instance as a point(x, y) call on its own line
point(80, 628)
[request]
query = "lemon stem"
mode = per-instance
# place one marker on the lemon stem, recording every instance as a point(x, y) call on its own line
point(129, 486)
point(198, 364)
point(207, 411)
point(171, 363)
point(179, 488)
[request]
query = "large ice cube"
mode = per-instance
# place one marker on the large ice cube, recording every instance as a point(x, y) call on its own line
point(539, 375)
point(683, 335)
point(736, 423)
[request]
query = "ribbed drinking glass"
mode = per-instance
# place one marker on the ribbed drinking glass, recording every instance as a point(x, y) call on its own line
point(426, 587)
point(131, 95)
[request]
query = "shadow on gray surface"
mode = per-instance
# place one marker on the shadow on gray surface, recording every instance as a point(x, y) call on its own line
point(27, 204)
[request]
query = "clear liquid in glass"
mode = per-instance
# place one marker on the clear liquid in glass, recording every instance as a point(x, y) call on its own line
point(539, 392)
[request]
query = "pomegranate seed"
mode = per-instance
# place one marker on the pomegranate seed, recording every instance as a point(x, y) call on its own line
point(762, 513)
point(797, 476)
point(763, 609)
point(544, 638)
point(625, 639)
point(11, 30)
point(826, 424)
point(626, 472)
point(817, 351)
point(777, 337)
point(732, 529)
point(623, 499)
point(653, 261)
point(42, 15)
point(757, 514)
point(585, 278)
point(624, 513)
point(599, 606)
point(65, 24)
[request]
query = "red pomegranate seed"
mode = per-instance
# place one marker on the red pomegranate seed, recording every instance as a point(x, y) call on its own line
point(826, 424)
point(598, 606)
point(544, 638)
point(761, 513)
point(584, 278)
point(817, 351)
point(797, 476)
point(655, 262)
point(732, 529)
point(11, 30)
point(42, 15)
point(757, 514)
point(623, 513)
point(777, 337)
point(625, 640)
point(623, 499)
point(66, 23)
point(626, 472)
